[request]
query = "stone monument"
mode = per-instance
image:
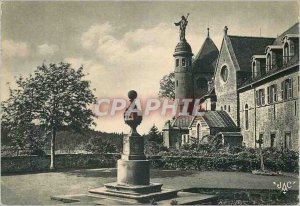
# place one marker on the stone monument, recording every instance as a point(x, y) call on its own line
point(133, 170)
point(133, 184)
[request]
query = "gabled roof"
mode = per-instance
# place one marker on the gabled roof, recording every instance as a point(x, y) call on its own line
point(292, 30)
point(182, 121)
point(205, 60)
point(245, 47)
point(214, 119)
point(218, 119)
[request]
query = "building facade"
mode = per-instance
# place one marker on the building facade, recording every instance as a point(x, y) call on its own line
point(255, 83)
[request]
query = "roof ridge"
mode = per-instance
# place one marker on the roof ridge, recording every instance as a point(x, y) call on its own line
point(262, 37)
point(202, 47)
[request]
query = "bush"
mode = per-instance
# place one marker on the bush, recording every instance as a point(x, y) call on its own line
point(205, 157)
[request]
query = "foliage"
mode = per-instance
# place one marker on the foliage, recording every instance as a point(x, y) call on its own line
point(71, 141)
point(97, 145)
point(151, 148)
point(154, 135)
point(167, 86)
point(205, 157)
point(54, 97)
point(174, 202)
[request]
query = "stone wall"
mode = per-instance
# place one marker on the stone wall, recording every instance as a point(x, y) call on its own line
point(63, 161)
point(226, 91)
point(278, 118)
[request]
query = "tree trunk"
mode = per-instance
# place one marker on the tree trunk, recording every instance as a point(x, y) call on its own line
point(52, 163)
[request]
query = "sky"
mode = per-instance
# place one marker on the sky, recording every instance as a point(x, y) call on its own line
point(125, 45)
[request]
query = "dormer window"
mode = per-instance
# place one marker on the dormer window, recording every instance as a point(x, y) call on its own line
point(269, 62)
point(286, 53)
point(254, 69)
point(274, 57)
point(290, 47)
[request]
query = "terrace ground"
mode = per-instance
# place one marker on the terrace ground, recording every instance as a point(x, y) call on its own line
point(36, 189)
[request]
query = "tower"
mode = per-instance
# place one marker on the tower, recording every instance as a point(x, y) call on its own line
point(183, 73)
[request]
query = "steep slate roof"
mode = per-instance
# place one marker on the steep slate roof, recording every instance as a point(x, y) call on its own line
point(218, 119)
point(182, 121)
point(245, 47)
point(292, 30)
point(205, 60)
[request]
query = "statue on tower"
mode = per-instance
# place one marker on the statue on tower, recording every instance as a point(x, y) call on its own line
point(182, 25)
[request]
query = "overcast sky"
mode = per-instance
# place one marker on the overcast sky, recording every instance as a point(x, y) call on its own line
point(124, 45)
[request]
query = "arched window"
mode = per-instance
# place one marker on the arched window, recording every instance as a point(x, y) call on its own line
point(198, 131)
point(228, 108)
point(269, 62)
point(225, 107)
point(286, 53)
point(183, 62)
point(246, 117)
point(224, 73)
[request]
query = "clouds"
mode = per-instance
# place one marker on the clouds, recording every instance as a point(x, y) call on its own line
point(47, 50)
point(15, 49)
point(136, 59)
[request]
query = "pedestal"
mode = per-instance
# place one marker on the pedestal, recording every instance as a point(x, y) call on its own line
point(133, 172)
point(133, 176)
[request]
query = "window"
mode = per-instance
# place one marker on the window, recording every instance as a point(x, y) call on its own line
point(246, 117)
point(188, 62)
point(260, 97)
point(286, 89)
point(183, 62)
point(225, 107)
point(260, 139)
point(298, 83)
point(287, 140)
point(176, 83)
point(224, 73)
point(254, 69)
point(221, 108)
point(272, 140)
point(272, 93)
point(269, 62)
point(295, 108)
point(198, 131)
point(177, 62)
point(286, 53)
point(228, 108)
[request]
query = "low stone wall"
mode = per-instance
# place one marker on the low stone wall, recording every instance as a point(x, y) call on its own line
point(81, 161)
point(63, 161)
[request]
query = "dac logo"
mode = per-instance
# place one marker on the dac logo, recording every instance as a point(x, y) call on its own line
point(284, 186)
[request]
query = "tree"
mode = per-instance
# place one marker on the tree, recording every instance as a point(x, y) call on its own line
point(54, 97)
point(99, 146)
point(154, 135)
point(18, 120)
point(167, 86)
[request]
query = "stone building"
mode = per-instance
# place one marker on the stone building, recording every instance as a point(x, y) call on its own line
point(255, 82)
point(269, 100)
